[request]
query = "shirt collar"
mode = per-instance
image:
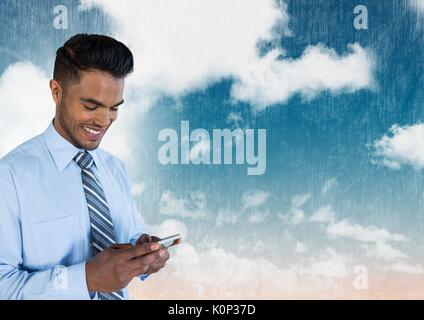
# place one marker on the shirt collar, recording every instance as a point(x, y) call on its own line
point(61, 150)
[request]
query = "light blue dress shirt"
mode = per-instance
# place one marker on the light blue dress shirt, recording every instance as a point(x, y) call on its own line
point(45, 236)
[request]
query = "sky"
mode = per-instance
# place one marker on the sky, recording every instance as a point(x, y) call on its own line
point(338, 212)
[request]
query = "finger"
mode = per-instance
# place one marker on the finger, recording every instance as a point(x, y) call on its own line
point(159, 262)
point(166, 256)
point(121, 246)
point(140, 250)
point(155, 239)
point(143, 239)
point(163, 254)
point(139, 271)
point(153, 268)
point(143, 262)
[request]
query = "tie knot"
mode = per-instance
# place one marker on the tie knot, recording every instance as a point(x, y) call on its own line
point(84, 159)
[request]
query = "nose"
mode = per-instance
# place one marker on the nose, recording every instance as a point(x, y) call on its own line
point(103, 118)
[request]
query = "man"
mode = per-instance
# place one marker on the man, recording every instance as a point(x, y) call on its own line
point(69, 228)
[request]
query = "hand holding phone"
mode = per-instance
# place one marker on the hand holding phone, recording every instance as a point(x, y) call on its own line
point(170, 241)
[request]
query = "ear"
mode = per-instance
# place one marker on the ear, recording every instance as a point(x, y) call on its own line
point(56, 90)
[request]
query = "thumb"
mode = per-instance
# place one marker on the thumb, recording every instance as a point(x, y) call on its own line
point(144, 238)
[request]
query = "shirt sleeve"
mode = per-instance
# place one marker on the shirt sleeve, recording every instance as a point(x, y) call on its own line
point(60, 282)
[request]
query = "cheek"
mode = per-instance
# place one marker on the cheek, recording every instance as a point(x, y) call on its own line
point(113, 116)
point(75, 114)
point(81, 119)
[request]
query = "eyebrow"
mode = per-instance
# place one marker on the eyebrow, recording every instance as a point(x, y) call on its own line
point(98, 103)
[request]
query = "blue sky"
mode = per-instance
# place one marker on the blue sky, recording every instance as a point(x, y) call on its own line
point(322, 125)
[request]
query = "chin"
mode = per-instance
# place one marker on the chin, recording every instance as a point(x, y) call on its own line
point(90, 146)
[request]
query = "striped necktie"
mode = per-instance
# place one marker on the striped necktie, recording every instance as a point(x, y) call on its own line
point(102, 233)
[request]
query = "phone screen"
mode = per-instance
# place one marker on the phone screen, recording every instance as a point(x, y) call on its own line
point(170, 241)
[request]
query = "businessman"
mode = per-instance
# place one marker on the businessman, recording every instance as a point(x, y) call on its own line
point(69, 228)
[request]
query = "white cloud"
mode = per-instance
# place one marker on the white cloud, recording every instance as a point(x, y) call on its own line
point(200, 43)
point(196, 207)
point(212, 273)
point(331, 264)
point(329, 185)
point(203, 42)
point(361, 233)
point(254, 199)
point(405, 268)
point(271, 80)
point(300, 248)
point(323, 214)
point(258, 216)
point(169, 205)
point(257, 247)
point(27, 106)
point(199, 199)
point(296, 215)
point(402, 146)
point(235, 118)
point(227, 216)
point(384, 250)
point(323, 275)
point(299, 200)
point(418, 5)
point(251, 201)
point(170, 227)
point(376, 241)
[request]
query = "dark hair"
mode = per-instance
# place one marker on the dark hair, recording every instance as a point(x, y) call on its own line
point(85, 52)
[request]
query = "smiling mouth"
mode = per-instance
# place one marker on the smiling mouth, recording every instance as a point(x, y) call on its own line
point(91, 133)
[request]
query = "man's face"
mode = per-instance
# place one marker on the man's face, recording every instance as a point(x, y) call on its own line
point(88, 108)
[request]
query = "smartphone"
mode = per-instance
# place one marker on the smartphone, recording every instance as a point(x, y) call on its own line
point(170, 241)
